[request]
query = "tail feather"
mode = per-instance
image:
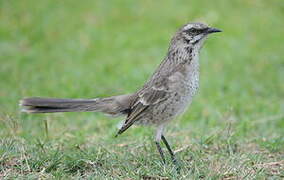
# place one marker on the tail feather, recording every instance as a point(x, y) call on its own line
point(49, 105)
point(113, 105)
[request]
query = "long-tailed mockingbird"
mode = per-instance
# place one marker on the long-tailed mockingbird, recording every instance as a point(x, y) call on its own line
point(164, 96)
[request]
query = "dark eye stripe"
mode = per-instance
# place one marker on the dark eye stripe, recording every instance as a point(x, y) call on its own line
point(196, 31)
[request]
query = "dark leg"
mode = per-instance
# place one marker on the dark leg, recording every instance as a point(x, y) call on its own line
point(171, 152)
point(161, 152)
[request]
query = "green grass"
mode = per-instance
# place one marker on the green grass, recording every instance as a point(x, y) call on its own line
point(83, 49)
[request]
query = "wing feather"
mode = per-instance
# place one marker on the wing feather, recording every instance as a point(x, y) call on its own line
point(152, 95)
point(146, 98)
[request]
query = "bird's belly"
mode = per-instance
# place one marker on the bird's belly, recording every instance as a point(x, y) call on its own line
point(174, 105)
point(185, 98)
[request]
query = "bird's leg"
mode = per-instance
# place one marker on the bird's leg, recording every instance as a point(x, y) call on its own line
point(171, 152)
point(169, 148)
point(160, 151)
point(159, 133)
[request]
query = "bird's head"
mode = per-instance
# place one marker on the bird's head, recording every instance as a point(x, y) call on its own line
point(194, 33)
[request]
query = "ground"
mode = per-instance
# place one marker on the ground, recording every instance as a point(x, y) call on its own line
point(234, 129)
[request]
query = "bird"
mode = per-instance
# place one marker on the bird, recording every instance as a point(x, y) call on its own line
point(164, 96)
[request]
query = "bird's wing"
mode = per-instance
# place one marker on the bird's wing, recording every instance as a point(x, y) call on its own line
point(154, 94)
point(146, 98)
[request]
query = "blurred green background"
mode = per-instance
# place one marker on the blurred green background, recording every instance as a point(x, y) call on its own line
point(92, 48)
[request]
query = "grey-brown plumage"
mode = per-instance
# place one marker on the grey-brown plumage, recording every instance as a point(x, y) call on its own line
point(164, 96)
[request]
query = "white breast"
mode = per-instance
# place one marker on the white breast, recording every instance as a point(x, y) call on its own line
point(189, 85)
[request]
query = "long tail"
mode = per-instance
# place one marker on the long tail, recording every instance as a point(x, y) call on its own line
point(115, 105)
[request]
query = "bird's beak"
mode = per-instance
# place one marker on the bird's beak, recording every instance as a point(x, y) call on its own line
point(213, 30)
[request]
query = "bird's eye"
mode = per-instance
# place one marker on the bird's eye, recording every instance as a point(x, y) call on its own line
point(195, 31)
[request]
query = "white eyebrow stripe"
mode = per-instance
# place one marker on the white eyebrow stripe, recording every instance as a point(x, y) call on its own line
point(189, 26)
